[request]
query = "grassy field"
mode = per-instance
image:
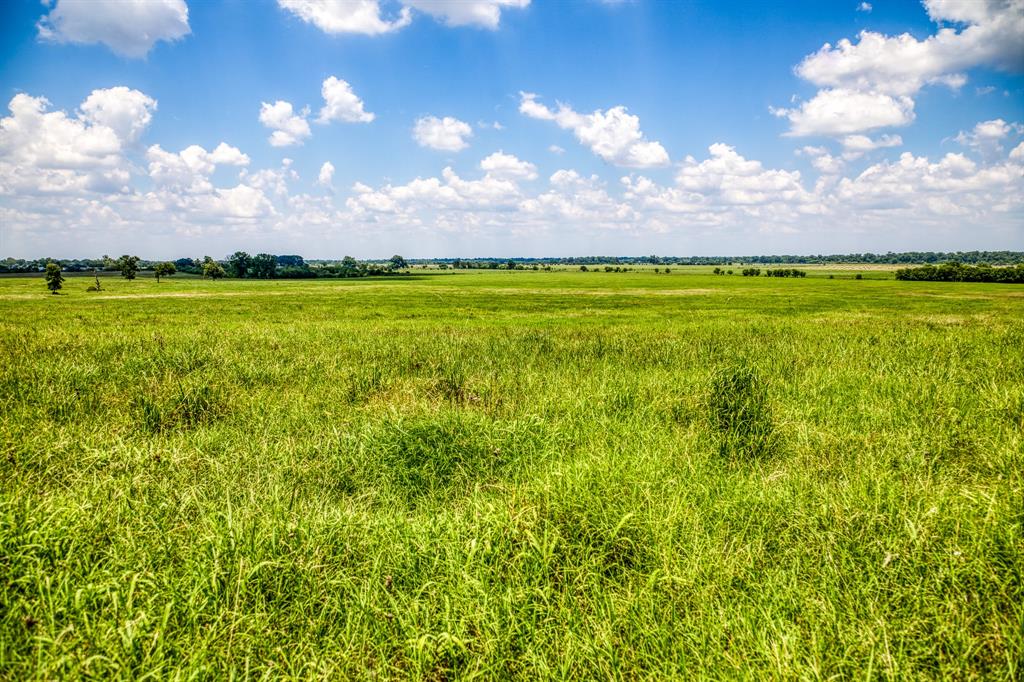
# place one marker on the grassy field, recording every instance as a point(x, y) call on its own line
point(512, 474)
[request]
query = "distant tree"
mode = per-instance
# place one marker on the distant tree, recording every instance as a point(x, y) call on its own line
point(398, 263)
point(657, 270)
point(129, 266)
point(667, 271)
point(54, 280)
point(165, 269)
point(212, 269)
point(239, 263)
point(583, 268)
point(510, 265)
point(96, 278)
point(717, 271)
point(264, 266)
point(291, 261)
point(859, 276)
point(729, 272)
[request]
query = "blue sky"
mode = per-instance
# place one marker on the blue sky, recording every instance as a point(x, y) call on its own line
point(622, 128)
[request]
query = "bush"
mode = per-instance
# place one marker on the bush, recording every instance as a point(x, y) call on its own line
point(954, 271)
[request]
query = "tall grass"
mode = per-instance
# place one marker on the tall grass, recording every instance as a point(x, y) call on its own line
point(518, 474)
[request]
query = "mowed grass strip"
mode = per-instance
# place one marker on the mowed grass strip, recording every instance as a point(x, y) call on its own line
point(512, 475)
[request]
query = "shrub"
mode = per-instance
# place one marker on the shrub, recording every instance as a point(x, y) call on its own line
point(954, 271)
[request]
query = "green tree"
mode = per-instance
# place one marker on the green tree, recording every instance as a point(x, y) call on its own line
point(165, 269)
point(212, 269)
point(264, 266)
point(398, 263)
point(129, 266)
point(239, 263)
point(54, 280)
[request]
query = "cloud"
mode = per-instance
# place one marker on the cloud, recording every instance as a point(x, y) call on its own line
point(954, 185)
point(346, 16)
point(731, 179)
point(555, 149)
point(326, 176)
point(869, 83)
point(444, 134)
point(50, 151)
point(855, 146)
point(449, 192)
point(341, 103)
point(130, 28)
point(864, 7)
point(189, 170)
point(502, 165)
point(127, 112)
point(274, 181)
point(841, 111)
point(289, 128)
point(481, 13)
point(822, 160)
point(987, 136)
point(992, 33)
point(365, 17)
point(614, 134)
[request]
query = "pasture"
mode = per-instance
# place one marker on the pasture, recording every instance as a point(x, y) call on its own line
point(456, 475)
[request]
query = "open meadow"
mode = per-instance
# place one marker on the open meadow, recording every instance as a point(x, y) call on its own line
point(494, 474)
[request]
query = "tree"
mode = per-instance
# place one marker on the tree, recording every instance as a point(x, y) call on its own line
point(264, 266)
point(212, 269)
point(54, 280)
point(398, 263)
point(165, 269)
point(129, 266)
point(239, 263)
point(96, 279)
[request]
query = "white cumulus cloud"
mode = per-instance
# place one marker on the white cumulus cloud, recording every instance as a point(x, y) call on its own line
point(326, 176)
point(502, 165)
point(50, 151)
point(840, 111)
point(987, 136)
point(444, 134)
point(614, 134)
point(869, 83)
point(992, 33)
point(288, 127)
point(346, 16)
point(125, 111)
point(482, 13)
point(190, 169)
point(128, 27)
point(341, 103)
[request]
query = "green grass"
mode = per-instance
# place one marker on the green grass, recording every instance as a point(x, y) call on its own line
point(512, 474)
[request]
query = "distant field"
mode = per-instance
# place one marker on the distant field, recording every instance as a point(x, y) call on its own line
point(513, 474)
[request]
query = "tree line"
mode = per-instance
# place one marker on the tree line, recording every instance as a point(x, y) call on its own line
point(958, 272)
point(238, 265)
point(268, 265)
point(889, 258)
